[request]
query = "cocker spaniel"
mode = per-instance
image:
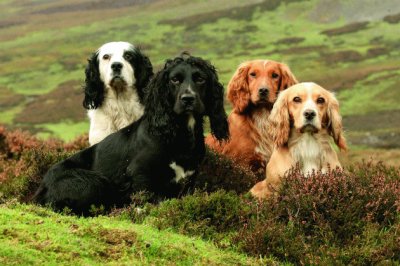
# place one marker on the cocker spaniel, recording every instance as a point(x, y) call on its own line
point(116, 76)
point(252, 91)
point(158, 153)
point(302, 122)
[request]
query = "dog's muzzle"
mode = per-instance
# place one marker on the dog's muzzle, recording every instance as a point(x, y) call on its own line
point(187, 101)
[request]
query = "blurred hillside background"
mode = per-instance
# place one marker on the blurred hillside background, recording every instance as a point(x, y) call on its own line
point(350, 47)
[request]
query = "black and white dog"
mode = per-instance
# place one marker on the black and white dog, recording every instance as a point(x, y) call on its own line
point(116, 76)
point(157, 153)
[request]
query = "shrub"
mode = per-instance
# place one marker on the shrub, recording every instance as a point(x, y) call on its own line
point(219, 172)
point(205, 214)
point(24, 159)
point(325, 216)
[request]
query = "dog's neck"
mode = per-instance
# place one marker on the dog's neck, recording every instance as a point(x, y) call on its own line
point(309, 149)
point(260, 122)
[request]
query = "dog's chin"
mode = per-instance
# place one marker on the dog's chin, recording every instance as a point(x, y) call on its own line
point(264, 103)
point(187, 110)
point(309, 128)
point(118, 83)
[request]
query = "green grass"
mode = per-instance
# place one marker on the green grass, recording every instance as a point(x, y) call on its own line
point(381, 95)
point(6, 117)
point(32, 235)
point(65, 130)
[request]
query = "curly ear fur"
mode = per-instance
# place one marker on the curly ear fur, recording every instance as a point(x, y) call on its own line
point(215, 106)
point(158, 107)
point(143, 70)
point(335, 127)
point(94, 87)
point(279, 121)
point(238, 89)
point(288, 79)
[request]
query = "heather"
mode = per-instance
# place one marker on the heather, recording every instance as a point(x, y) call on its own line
point(348, 216)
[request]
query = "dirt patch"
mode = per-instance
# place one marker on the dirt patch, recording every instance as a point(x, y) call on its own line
point(377, 140)
point(65, 102)
point(392, 19)
point(246, 29)
point(300, 50)
point(372, 121)
point(346, 78)
point(9, 99)
point(388, 157)
point(381, 78)
point(377, 51)
point(117, 241)
point(93, 5)
point(368, 125)
point(237, 13)
point(290, 40)
point(349, 28)
point(8, 24)
point(342, 56)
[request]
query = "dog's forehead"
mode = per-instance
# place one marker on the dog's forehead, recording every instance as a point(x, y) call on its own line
point(306, 89)
point(263, 66)
point(115, 47)
point(184, 67)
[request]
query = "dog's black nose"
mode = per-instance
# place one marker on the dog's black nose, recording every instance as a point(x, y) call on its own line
point(116, 66)
point(187, 98)
point(309, 114)
point(263, 92)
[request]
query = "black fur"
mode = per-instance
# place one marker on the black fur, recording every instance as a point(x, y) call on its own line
point(138, 157)
point(94, 87)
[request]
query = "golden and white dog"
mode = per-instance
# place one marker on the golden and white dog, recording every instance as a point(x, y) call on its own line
point(303, 120)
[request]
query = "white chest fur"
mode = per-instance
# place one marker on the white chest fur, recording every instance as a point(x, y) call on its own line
point(308, 152)
point(124, 108)
point(180, 173)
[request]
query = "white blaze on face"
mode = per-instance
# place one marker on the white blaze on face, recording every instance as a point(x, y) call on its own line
point(113, 52)
point(265, 63)
point(180, 173)
point(310, 104)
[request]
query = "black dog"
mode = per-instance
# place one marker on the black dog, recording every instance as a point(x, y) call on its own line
point(155, 154)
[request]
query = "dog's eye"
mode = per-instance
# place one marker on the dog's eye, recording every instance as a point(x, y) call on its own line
point(253, 74)
point(320, 100)
point(128, 56)
point(199, 80)
point(106, 56)
point(274, 75)
point(297, 99)
point(175, 80)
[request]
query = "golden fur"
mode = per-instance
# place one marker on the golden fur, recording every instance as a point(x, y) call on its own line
point(248, 144)
point(301, 140)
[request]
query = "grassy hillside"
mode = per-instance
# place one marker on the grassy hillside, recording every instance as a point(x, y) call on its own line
point(32, 235)
point(351, 47)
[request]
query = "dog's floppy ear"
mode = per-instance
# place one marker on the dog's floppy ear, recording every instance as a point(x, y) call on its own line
point(215, 106)
point(335, 127)
point(158, 106)
point(287, 77)
point(94, 87)
point(279, 121)
point(238, 88)
point(143, 70)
